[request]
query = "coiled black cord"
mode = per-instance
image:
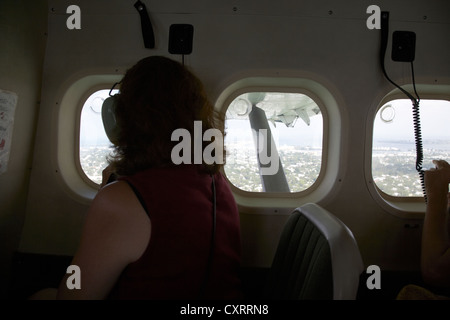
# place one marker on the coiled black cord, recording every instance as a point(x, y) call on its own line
point(419, 146)
point(415, 100)
point(418, 135)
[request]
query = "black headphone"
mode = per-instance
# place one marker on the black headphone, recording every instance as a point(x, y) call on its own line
point(109, 115)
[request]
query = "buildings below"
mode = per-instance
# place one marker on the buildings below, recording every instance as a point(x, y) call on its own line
point(393, 170)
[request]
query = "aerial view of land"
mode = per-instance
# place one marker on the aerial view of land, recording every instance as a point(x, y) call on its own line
point(393, 168)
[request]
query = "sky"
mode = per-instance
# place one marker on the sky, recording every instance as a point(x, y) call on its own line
point(435, 119)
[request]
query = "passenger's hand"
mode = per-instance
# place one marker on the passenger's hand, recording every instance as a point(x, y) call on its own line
point(437, 180)
point(108, 175)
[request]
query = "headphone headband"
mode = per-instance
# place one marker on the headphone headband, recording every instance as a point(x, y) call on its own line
point(109, 115)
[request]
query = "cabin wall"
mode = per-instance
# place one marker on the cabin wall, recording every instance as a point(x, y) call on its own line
point(322, 40)
point(23, 27)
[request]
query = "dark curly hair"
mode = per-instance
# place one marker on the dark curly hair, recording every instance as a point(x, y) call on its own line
point(157, 96)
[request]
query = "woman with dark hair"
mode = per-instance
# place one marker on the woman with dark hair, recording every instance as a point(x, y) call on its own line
point(162, 230)
point(157, 97)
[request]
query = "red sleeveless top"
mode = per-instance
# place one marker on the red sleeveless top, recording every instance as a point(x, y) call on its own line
point(179, 203)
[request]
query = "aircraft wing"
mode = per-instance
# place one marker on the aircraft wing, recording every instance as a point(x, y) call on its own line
point(279, 107)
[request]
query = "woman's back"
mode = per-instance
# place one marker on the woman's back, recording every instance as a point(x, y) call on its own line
point(175, 265)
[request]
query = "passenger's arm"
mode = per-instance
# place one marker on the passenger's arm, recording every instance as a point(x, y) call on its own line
point(116, 233)
point(435, 256)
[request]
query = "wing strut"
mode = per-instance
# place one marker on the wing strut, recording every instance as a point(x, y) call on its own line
point(270, 167)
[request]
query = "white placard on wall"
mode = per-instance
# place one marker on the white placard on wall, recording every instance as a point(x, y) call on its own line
point(8, 102)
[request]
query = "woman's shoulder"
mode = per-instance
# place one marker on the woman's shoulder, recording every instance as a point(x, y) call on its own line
point(116, 193)
point(118, 201)
point(116, 214)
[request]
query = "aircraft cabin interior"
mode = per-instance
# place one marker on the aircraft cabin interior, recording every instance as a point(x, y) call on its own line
point(336, 87)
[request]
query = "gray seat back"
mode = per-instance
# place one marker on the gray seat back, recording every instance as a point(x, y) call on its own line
point(317, 258)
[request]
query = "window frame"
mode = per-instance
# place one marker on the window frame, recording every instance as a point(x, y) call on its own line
point(80, 107)
point(326, 97)
point(71, 98)
point(322, 108)
point(403, 207)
